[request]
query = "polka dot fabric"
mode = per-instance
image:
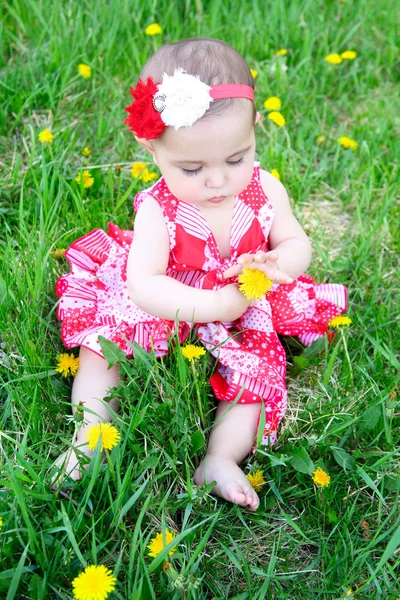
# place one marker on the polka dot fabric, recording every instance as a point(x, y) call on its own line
point(94, 299)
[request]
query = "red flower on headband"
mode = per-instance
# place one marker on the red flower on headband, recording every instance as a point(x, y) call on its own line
point(143, 119)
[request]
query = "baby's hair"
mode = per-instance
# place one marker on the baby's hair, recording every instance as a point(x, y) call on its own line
point(214, 61)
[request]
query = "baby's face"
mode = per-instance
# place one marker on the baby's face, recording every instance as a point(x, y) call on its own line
point(210, 161)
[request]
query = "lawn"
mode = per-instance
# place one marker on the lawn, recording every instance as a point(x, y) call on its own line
point(304, 542)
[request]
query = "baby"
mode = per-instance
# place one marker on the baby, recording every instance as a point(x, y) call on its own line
point(213, 213)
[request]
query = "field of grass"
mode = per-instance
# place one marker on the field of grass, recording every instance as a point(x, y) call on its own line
point(304, 542)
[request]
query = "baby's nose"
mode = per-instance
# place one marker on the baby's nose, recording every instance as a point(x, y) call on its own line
point(215, 179)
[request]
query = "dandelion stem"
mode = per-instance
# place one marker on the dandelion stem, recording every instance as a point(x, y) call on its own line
point(199, 403)
point(346, 352)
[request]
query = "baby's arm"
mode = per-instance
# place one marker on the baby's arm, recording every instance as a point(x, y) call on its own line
point(162, 296)
point(290, 253)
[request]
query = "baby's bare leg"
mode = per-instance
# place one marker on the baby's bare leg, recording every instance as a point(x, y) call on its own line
point(91, 385)
point(230, 442)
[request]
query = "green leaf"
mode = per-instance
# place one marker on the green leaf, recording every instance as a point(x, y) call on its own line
point(197, 440)
point(261, 425)
point(111, 352)
point(370, 418)
point(301, 362)
point(343, 458)
point(369, 482)
point(301, 461)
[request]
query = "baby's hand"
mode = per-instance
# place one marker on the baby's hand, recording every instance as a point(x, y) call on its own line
point(232, 303)
point(263, 261)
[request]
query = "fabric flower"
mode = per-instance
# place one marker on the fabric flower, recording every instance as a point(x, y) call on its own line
point(277, 118)
point(109, 434)
point(349, 55)
point(339, 321)
point(182, 99)
point(86, 178)
point(321, 478)
point(140, 170)
point(254, 283)
point(94, 583)
point(276, 173)
point(273, 103)
point(153, 29)
point(191, 352)
point(86, 152)
point(347, 143)
point(254, 73)
point(85, 71)
point(157, 543)
point(257, 480)
point(333, 59)
point(281, 52)
point(46, 137)
point(143, 119)
point(67, 364)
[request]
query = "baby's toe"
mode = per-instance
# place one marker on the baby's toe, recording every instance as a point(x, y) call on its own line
point(252, 500)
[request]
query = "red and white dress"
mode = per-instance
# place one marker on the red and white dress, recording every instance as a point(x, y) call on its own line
point(94, 299)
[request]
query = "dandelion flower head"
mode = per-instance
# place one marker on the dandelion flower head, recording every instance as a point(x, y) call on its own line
point(58, 253)
point(85, 71)
point(347, 143)
point(257, 480)
point(281, 52)
point(349, 55)
point(94, 583)
point(321, 478)
point(86, 178)
point(321, 139)
point(67, 364)
point(254, 73)
point(153, 29)
point(140, 170)
point(273, 103)
point(46, 137)
point(157, 543)
point(254, 284)
point(276, 173)
point(86, 151)
point(333, 59)
point(109, 434)
point(277, 118)
point(339, 321)
point(1, 522)
point(191, 352)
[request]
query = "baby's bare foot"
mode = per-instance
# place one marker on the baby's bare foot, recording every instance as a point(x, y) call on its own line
point(68, 465)
point(232, 484)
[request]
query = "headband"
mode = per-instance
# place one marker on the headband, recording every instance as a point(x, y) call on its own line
point(179, 101)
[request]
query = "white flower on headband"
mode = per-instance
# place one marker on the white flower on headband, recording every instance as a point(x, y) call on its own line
point(181, 99)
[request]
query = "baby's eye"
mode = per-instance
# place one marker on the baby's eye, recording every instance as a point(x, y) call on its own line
point(236, 162)
point(190, 172)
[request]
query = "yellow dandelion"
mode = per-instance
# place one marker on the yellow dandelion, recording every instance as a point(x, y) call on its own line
point(349, 593)
point(254, 284)
point(273, 103)
point(46, 137)
point(109, 434)
point(58, 253)
point(277, 118)
point(86, 151)
point(140, 170)
point(333, 59)
point(339, 321)
point(321, 478)
point(257, 480)
point(191, 352)
point(347, 143)
point(1, 522)
point(281, 52)
point(320, 139)
point(67, 364)
point(157, 543)
point(86, 178)
point(94, 583)
point(254, 73)
point(349, 55)
point(276, 173)
point(153, 29)
point(85, 71)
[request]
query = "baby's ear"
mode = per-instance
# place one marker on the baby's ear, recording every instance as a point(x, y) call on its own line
point(258, 117)
point(146, 144)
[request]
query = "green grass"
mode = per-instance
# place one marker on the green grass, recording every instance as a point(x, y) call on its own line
point(302, 543)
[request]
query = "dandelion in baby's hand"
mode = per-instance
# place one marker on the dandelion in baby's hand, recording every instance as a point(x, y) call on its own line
point(157, 543)
point(86, 152)
point(281, 52)
point(192, 352)
point(85, 71)
point(254, 73)
point(349, 55)
point(86, 178)
point(153, 29)
point(140, 170)
point(277, 118)
point(334, 59)
point(67, 364)
point(109, 434)
point(321, 478)
point(338, 322)
point(276, 173)
point(58, 253)
point(347, 143)
point(273, 103)
point(257, 480)
point(94, 583)
point(254, 284)
point(46, 137)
